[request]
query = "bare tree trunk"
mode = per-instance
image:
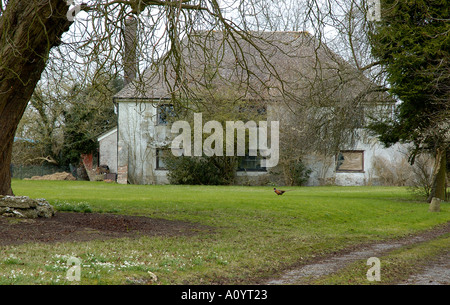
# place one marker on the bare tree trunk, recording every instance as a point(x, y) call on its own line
point(28, 30)
point(438, 187)
point(9, 119)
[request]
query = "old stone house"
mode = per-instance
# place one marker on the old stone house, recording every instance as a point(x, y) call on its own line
point(287, 69)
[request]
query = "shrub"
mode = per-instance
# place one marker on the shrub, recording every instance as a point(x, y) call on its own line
point(201, 170)
point(422, 179)
point(391, 172)
point(418, 177)
point(295, 172)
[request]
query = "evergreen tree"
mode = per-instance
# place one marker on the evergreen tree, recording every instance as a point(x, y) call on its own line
point(91, 114)
point(412, 43)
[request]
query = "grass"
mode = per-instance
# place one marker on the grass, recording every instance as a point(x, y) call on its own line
point(80, 207)
point(257, 233)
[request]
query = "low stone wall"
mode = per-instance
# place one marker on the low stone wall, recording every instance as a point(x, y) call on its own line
point(25, 207)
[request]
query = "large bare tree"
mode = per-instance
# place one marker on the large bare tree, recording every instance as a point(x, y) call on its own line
point(41, 41)
point(30, 31)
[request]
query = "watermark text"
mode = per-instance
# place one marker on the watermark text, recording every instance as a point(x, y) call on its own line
point(213, 145)
point(374, 272)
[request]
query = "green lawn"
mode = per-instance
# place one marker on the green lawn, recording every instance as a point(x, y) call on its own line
point(256, 232)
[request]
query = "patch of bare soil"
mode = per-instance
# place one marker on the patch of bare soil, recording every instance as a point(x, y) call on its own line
point(333, 263)
point(68, 227)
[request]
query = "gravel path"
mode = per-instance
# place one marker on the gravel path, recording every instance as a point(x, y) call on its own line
point(437, 273)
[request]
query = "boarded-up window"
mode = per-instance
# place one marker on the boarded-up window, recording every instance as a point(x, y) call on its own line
point(350, 161)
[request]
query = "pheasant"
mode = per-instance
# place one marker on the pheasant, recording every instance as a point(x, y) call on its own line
point(278, 192)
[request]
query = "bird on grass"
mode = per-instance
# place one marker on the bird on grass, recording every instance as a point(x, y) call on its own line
point(279, 192)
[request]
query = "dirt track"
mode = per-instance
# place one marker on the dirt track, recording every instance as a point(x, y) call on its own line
point(436, 273)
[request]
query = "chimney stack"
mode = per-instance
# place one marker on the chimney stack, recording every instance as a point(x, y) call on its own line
point(129, 56)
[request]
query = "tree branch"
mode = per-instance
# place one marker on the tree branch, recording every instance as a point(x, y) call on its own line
point(366, 67)
point(138, 6)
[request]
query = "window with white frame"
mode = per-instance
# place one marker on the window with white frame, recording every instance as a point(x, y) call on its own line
point(160, 153)
point(251, 163)
point(165, 112)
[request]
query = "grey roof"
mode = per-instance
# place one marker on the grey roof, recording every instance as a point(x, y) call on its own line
point(271, 66)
